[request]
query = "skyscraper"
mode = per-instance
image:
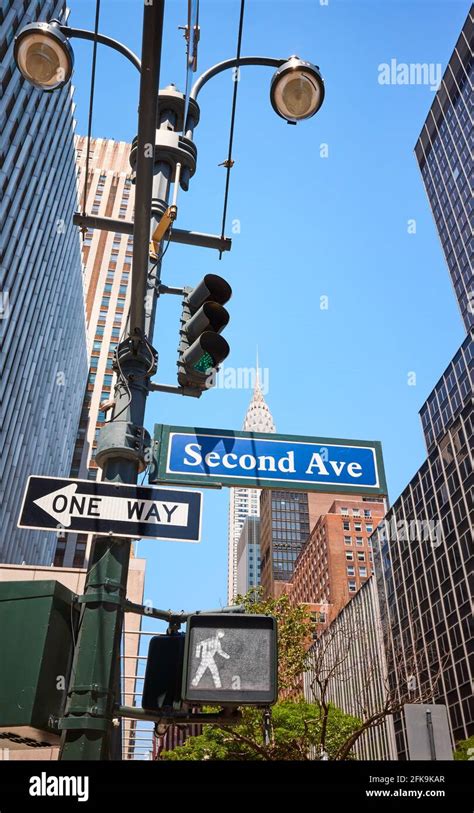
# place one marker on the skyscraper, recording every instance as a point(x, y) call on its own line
point(423, 550)
point(443, 151)
point(284, 528)
point(42, 324)
point(248, 555)
point(246, 501)
point(107, 258)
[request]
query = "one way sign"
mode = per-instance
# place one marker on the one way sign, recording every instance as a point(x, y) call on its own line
point(86, 506)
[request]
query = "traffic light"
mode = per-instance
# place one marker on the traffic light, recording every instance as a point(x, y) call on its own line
point(201, 348)
point(230, 660)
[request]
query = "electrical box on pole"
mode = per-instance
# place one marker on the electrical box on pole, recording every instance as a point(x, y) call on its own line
point(38, 626)
point(202, 348)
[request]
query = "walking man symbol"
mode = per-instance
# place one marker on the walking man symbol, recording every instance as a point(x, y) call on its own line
point(207, 650)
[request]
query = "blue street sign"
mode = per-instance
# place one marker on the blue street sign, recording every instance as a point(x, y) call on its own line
point(261, 460)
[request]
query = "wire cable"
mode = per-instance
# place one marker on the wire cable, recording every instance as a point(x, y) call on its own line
point(229, 163)
point(91, 105)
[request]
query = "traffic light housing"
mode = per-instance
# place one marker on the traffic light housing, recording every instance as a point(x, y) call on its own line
point(230, 660)
point(202, 348)
point(164, 670)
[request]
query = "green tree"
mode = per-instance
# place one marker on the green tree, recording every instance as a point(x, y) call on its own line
point(293, 634)
point(295, 735)
point(299, 730)
point(464, 749)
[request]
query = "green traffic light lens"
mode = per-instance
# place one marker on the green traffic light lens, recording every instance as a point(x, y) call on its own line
point(205, 363)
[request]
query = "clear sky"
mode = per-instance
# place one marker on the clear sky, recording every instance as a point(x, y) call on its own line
point(309, 227)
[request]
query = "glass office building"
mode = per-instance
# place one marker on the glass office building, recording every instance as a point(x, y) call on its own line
point(284, 530)
point(443, 151)
point(42, 324)
point(423, 552)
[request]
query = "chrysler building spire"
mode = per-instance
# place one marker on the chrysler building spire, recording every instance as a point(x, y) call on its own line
point(245, 502)
point(258, 417)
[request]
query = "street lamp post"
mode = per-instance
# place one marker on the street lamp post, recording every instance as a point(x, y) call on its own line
point(87, 723)
point(160, 157)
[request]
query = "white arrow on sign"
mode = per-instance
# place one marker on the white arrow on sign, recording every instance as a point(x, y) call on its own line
point(65, 503)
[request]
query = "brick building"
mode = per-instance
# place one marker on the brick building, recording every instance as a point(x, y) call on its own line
point(287, 520)
point(336, 560)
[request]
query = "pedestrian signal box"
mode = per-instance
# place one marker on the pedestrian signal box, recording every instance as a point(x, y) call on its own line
point(231, 660)
point(164, 672)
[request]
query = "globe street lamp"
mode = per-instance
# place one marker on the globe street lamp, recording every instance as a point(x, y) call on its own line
point(44, 55)
point(297, 90)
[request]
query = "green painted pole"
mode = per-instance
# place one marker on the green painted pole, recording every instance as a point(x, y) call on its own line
point(87, 725)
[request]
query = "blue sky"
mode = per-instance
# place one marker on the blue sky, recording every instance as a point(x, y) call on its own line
point(309, 227)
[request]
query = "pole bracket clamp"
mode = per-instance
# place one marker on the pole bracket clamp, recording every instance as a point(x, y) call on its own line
point(100, 597)
point(124, 440)
point(107, 592)
point(78, 723)
point(89, 699)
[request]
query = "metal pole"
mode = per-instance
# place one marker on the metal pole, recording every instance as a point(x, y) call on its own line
point(87, 724)
point(431, 739)
point(146, 184)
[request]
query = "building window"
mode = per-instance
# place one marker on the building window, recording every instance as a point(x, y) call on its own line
point(355, 512)
point(348, 540)
point(359, 540)
point(361, 557)
point(369, 528)
point(349, 556)
point(357, 526)
point(367, 513)
point(345, 511)
point(350, 570)
point(346, 526)
point(352, 587)
point(363, 572)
